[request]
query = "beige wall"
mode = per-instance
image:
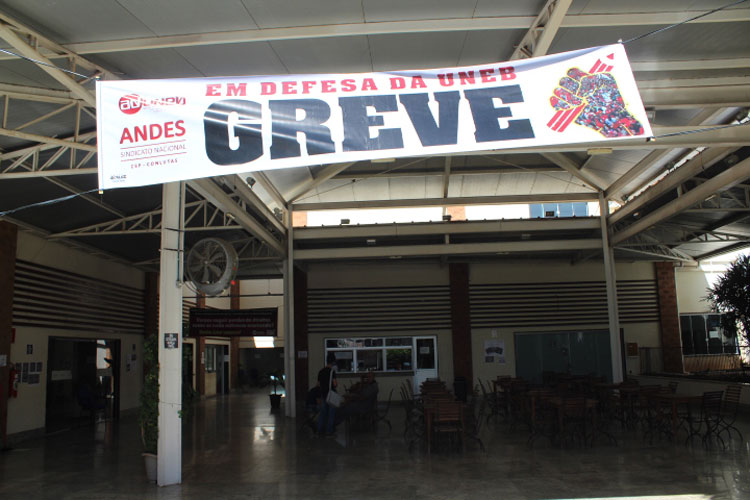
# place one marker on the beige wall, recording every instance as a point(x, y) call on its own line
point(405, 273)
point(27, 411)
point(692, 285)
point(543, 271)
point(48, 253)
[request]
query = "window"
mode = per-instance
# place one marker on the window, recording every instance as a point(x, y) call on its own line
point(539, 210)
point(364, 354)
point(704, 334)
point(211, 354)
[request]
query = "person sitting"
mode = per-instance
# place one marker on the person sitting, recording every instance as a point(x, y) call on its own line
point(360, 402)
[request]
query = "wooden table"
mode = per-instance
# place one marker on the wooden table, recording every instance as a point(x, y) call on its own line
point(674, 400)
point(589, 406)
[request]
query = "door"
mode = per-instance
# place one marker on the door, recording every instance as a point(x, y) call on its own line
point(426, 362)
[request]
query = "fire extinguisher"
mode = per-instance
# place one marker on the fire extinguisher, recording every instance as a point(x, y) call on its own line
point(13, 382)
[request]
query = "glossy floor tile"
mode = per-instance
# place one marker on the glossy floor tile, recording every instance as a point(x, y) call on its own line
point(234, 447)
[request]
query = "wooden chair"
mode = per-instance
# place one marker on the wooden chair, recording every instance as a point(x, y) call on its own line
point(448, 420)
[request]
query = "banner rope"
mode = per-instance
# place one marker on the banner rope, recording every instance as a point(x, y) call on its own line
point(46, 202)
point(654, 32)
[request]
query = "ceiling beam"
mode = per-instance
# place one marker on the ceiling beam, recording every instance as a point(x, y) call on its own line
point(247, 195)
point(216, 195)
point(48, 67)
point(724, 180)
point(439, 228)
point(457, 201)
point(615, 189)
point(538, 38)
point(722, 251)
point(696, 97)
point(270, 188)
point(592, 180)
point(328, 172)
point(671, 181)
point(690, 64)
point(49, 173)
point(447, 249)
point(396, 27)
point(47, 140)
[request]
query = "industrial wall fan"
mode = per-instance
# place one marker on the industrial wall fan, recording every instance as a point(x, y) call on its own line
point(212, 265)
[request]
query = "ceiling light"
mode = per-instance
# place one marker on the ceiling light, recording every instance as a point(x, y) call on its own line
point(383, 160)
point(371, 241)
point(599, 151)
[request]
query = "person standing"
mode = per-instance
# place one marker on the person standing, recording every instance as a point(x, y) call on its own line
point(327, 381)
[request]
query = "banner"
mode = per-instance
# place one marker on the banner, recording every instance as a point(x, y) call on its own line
point(155, 131)
point(233, 322)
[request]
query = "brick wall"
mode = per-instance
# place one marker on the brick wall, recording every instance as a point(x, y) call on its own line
point(669, 319)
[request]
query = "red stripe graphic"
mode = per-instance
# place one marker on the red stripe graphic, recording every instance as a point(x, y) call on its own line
point(561, 119)
point(554, 118)
point(573, 116)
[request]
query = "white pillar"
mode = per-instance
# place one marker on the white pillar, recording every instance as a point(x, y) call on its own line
point(611, 281)
point(289, 353)
point(169, 454)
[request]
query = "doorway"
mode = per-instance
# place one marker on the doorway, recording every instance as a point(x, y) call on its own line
point(83, 381)
point(426, 366)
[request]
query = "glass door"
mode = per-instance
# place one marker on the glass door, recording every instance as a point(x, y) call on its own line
point(426, 361)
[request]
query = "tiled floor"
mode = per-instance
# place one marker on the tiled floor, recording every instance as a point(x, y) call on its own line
point(235, 448)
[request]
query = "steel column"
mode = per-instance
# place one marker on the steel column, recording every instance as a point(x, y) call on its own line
point(169, 454)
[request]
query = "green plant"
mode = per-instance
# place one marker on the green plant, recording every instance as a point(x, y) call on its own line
point(731, 297)
point(148, 417)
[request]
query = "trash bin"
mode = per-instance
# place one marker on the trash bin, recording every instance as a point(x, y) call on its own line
point(459, 388)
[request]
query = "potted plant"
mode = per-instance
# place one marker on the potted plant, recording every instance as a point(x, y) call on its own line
point(148, 417)
point(276, 379)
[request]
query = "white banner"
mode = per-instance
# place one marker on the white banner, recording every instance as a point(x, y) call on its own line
point(154, 131)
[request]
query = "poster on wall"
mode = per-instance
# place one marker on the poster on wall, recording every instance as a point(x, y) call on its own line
point(494, 351)
point(155, 131)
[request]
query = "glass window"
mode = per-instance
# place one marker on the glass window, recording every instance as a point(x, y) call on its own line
point(707, 334)
point(535, 211)
point(372, 353)
point(580, 209)
point(344, 360)
point(370, 360)
point(566, 209)
point(398, 359)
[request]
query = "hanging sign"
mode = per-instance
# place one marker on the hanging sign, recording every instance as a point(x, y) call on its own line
point(155, 131)
point(233, 322)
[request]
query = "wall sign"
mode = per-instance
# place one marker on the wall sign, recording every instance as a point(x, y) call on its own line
point(155, 131)
point(171, 341)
